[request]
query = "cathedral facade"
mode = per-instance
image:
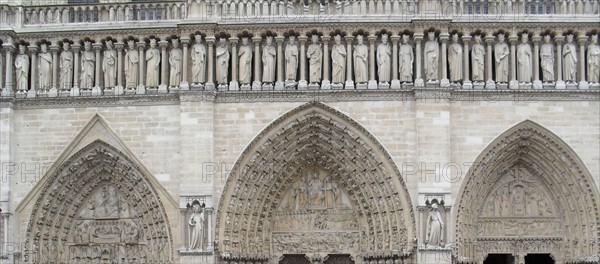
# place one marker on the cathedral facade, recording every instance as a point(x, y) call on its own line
point(259, 131)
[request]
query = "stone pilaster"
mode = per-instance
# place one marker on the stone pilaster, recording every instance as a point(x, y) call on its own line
point(257, 84)
point(445, 82)
point(164, 78)
point(418, 37)
point(490, 83)
point(184, 85)
point(141, 88)
point(326, 83)
point(466, 67)
point(302, 84)
point(54, 89)
point(279, 85)
point(513, 83)
point(97, 90)
point(372, 82)
point(560, 84)
point(583, 84)
point(210, 84)
point(33, 72)
point(537, 83)
point(119, 89)
point(234, 85)
point(395, 81)
point(76, 69)
point(349, 81)
point(8, 63)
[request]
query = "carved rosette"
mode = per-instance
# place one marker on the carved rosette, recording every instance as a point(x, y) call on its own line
point(97, 206)
point(314, 140)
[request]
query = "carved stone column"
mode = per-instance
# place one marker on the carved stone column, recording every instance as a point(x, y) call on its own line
point(33, 72)
point(326, 83)
point(210, 84)
point(8, 63)
point(418, 37)
point(162, 88)
point(537, 83)
point(76, 68)
point(97, 91)
point(53, 90)
point(372, 82)
point(490, 83)
point(141, 88)
point(395, 81)
point(119, 89)
point(302, 83)
point(1, 63)
point(513, 83)
point(209, 234)
point(257, 84)
point(279, 85)
point(184, 85)
point(349, 81)
point(466, 67)
point(560, 84)
point(445, 82)
point(234, 85)
point(583, 84)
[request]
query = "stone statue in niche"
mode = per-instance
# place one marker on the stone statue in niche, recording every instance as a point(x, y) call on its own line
point(501, 53)
point(198, 61)
point(570, 60)
point(547, 59)
point(109, 65)
point(384, 55)
point(435, 227)
point(291, 59)
point(245, 62)
point(478, 60)
point(315, 194)
point(175, 58)
point(88, 63)
point(361, 63)
point(524, 59)
point(45, 67)
point(455, 54)
point(432, 54)
point(222, 61)
point(66, 67)
point(132, 59)
point(152, 65)
point(338, 60)
point(315, 58)
point(269, 55)
point(406, 60)
point(196, 223)
point(22, 69)
point(593, 60)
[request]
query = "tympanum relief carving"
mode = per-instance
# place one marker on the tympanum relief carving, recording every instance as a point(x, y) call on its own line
point(519, 206)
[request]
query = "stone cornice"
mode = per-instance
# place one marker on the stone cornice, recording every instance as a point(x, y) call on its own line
point(448, 95)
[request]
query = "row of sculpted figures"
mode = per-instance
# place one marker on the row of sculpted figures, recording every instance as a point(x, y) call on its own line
point(339, 60)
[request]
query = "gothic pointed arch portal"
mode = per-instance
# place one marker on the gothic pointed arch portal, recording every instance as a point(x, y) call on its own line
point(528, 193)
point(314, 183)
point(98, 207)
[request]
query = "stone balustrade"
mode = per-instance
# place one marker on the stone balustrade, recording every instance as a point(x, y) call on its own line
point(299, 11)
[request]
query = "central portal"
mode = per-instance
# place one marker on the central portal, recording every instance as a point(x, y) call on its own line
point(315, 215)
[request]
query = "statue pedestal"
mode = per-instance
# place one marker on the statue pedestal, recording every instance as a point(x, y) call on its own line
point(571, 86)
point(490, 85)
point(561, 85)
point(325, 85)
point(302, 85)
point(244, 87)
point(395, 84)
point(96, 91)
point(141, 89)
point(7, 91)
point(222, 87)
point(196, 86)
point(419, 82)
point(478, 85)
point(119, 90)
point(361, 86)
point(74, 91)
point(583, 85)
point(445, 83)
point(64, 93)
point(314, 86)
point(408, 86)
point(383, 85)
point(349, 84)
point(548, 85)
point(163, 89)
point(538, 85)
point(434, 255)
point(184, 86)
point(256, 85)
point(594, 85)
point(31, 93)
point(467, 85)
point(513, 84)
point(525, 86)
point(265, 87)
point(86, 92)
point(234, 86)
point(53, 92)
point(289, 85)
point(502, 86)
point(279, 86)
point(19, 94)
point(151, 90)
point(372, 84)
point(337, 86)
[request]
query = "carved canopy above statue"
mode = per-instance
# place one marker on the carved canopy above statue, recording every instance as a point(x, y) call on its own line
point(314, 176)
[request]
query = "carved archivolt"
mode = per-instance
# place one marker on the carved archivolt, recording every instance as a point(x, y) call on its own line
point(528, 193)
point(309, 149)
point(98, 207)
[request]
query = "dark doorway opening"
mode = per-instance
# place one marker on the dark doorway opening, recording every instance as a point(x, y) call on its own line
point(294, 259)
point(339, 259)
point(499, 259)
point(538, 259)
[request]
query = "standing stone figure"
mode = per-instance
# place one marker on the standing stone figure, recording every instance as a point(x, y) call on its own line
point(432, 54)
point(88, 62)
point(406, 61)
point(269, 55)
point(524, 59)
point(245, 62)
point(198, 61)
point(384, 64)
point(291, 59)
point(435, 227)
point(338, 60)
point(361, 63)
point(501, 53)
point(109, 65)
point(22, 69)
point(547, 59)
point(593, 58)
point(315, 57)
point(455, 54)
point(132, 59)
point(570, 60)
point(196, 223)
point(222, 61)
point(175, 57)
point(66, 67)
point(152, 65)
point(45, 68)
point(478, 60)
